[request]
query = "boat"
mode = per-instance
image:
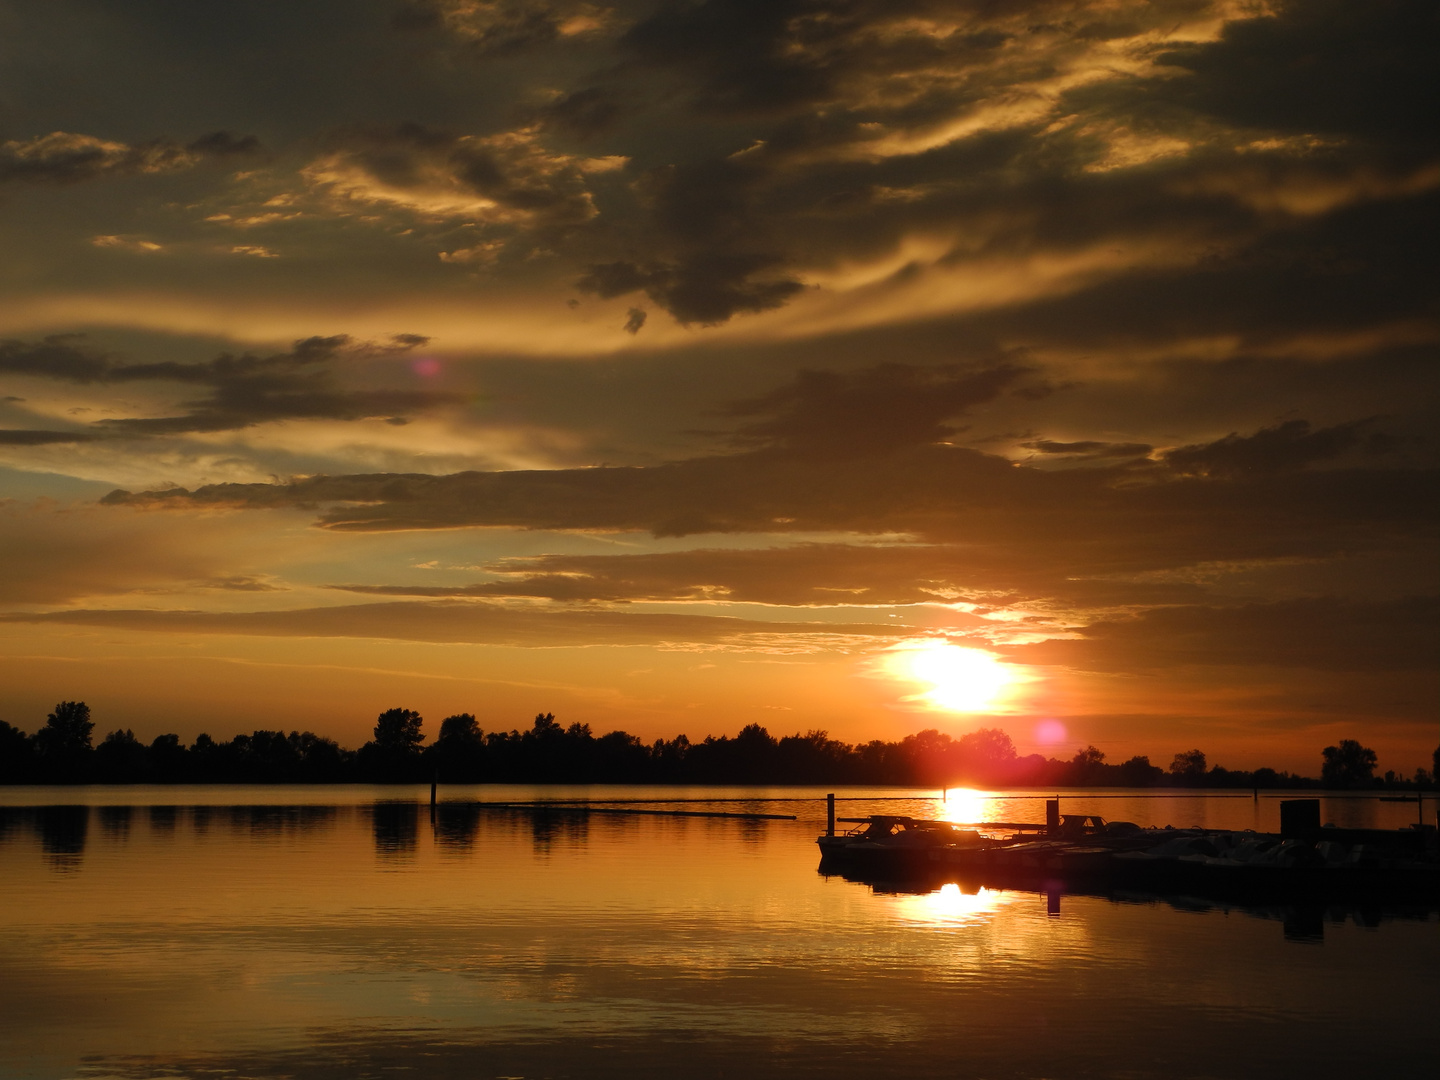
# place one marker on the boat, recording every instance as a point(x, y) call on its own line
point(891, 844)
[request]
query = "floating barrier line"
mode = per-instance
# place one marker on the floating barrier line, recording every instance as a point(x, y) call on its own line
point(582, 809)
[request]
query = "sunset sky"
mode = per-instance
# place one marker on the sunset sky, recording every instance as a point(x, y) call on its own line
point(870, 366)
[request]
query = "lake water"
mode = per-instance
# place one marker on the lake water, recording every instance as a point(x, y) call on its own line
point(343, 932)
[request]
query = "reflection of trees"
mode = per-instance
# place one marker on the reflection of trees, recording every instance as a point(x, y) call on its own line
point(268, 821)
point(163, 820)
point(567, 829)
point(115, 822)
point(62, 832)
point(456, 824)
point(397, 826)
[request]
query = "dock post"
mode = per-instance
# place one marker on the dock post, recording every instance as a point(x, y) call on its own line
point(830, 814)
point(1052, 815)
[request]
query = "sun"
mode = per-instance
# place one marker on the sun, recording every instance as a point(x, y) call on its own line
point(960, 679)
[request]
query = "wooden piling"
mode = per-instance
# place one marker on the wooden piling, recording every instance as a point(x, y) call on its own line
point(830, 814)
point(1052, 815)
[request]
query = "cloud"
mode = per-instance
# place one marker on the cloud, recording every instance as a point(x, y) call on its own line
point(1322, 66)
point(59, 356)
point(1089, 448)
point(872, 411)
point(502, 27)
point(64, 157)
point(1286, 447)
point(127, 243)
point(508, 179)
point(863, 133)
point(1317, 633)
point(707, 289)
point(870, 453)
point(803, 575)
point(32, 437)
point(486, 624)
point(583, 113)
point(245, 389)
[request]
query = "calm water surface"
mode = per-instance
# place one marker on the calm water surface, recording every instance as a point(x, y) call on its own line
point(341, 932)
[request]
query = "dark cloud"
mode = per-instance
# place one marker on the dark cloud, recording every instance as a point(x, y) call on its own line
point(1323, 67)
point(1090, 448)
point(476, 623)
point(583, 113)
point(869, 412)
point(842, 105)
point(65, 158)
point(245, 389)
point(60, 356)
point(31, 437)
point(1319, 633)
point(805, 575)
point(707, 289)
point(1286, 447)
point(867, 454)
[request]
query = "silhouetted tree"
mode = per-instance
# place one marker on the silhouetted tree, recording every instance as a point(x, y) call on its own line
point(986, 755)
point(1347, 765)
point(1138, 772)
point(398, 731)
point(458, 753)
point(394, 754)
point(1188, 767)
point(120, 758)
point(321, 760)
point(169, 760)
point(63, 744)
point(1087, 765)
point(16, 755)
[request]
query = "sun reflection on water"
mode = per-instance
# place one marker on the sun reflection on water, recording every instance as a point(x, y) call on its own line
point(951, 906)
point(964, 806)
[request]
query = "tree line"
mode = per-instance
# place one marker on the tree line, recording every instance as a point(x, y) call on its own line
point(63, 751)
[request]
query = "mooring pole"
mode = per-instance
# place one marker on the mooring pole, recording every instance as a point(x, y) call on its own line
point(830, 814)
point(1052, 815)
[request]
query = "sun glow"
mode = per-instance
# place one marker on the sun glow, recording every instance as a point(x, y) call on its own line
point(960, 679)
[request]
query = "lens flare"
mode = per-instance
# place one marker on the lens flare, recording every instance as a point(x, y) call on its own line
point(1050, 732)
